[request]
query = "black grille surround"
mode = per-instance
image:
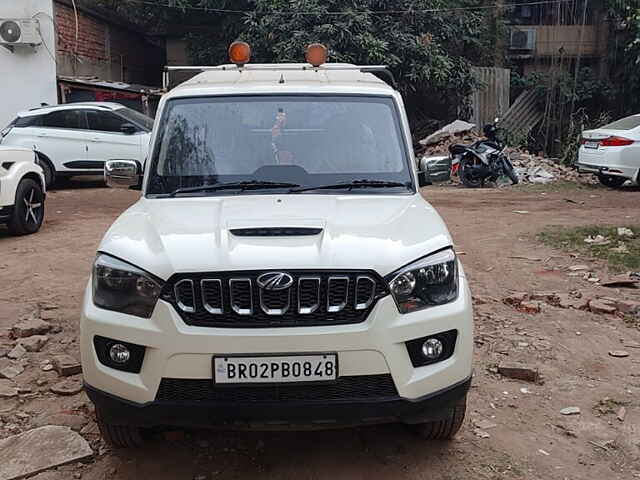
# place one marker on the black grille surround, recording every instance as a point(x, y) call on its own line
point(310, 287)
point(343, 389)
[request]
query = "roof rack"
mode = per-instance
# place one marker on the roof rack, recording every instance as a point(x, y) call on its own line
point(380, 71)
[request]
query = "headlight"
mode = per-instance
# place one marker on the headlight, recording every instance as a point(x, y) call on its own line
point(124, 288)
point(430, 281)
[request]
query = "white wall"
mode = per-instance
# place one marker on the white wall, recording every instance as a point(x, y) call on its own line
point(27, 78)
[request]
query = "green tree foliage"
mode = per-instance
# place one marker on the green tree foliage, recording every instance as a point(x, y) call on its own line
point(624, 53)
point(429, 45)
point(430, 53)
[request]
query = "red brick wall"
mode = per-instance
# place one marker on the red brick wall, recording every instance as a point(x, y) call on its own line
point(92, 34)
point(105, 49)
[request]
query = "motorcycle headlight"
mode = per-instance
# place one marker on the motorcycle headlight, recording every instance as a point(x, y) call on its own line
point(428, 282)
point(124, 288)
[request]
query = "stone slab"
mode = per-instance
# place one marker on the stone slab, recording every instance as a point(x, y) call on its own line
point(40, 449)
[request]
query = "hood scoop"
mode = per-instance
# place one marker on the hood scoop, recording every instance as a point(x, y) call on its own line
point(275, 231)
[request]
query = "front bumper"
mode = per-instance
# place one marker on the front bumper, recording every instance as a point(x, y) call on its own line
point(376, 346)
point(435, 406)
point(5, 213)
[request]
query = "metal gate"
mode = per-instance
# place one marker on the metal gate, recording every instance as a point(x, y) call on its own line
point(491, 99)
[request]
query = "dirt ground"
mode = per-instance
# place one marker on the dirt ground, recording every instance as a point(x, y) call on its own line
point(530, 439)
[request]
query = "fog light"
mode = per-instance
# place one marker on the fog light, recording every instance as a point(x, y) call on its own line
point(119, 353)
point(432, 348)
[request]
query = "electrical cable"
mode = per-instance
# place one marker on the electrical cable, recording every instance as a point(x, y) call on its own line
point(75, 11)
point(380, 12)
point(42, 36)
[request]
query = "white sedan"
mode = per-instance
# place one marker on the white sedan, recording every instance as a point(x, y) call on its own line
point(612, 152)
point(22, 190)
point(77, 138)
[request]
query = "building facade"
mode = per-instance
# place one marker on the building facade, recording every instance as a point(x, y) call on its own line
point(567, 34)
point(29, 73)
point(103, 46)
point(81, 54)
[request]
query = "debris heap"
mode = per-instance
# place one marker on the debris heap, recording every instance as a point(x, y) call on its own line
point(529, 167)
point(536, 169)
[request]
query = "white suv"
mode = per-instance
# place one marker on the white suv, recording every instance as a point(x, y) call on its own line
point(281, 268)
point(22, 191)
point(77, 138)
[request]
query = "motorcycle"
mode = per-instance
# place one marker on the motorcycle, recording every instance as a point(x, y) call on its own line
point(483, 160)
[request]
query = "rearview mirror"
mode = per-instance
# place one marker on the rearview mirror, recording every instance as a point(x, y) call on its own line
point(122, 173)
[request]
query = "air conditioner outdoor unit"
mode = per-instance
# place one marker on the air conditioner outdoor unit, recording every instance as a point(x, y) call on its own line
point(15, 32)
point(522, 39)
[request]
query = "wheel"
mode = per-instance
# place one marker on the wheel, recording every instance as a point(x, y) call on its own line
point(443, 429)
point(49, 171)
point(28, 211)
point(611, 181)
point(120, 436)
point(509, 171)
point(467, 176)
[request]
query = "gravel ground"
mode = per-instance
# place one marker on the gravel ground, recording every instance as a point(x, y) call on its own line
point(514, 429)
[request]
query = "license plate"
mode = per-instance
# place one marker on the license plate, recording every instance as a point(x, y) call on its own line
point(275, 369)
point(594, 145)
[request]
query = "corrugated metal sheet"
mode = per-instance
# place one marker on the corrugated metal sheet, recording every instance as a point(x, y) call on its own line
point(524, 114)
point(492, 98)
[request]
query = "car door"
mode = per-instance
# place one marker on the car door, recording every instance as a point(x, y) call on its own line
point(61, 136)
point(107, 140)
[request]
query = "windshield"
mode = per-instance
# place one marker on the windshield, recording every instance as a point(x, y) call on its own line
point(302, 140)
point(136, 117)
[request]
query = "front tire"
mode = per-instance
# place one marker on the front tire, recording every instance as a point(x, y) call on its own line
point(28, 211)
point(120, 436)
point(510, 171)
point(466, 174)
point(611, 181)
point(443, 429)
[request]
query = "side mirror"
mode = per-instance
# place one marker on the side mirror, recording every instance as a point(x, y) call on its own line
point(424, 178)
point(122, 173)
point(128, 128)
point(434, 169)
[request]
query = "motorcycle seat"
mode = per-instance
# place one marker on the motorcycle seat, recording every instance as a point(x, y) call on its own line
point(458, 149)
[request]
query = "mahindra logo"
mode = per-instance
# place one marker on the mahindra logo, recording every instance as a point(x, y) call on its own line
point(275, 281)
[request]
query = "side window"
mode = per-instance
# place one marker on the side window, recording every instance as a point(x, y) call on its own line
point(64, 119)
point(28, 121)
point(105, 121)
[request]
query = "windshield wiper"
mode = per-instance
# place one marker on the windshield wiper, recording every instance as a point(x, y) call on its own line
point(246, 184)
point(353, 184)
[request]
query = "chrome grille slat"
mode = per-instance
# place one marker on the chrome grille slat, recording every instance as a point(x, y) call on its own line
point(235, 299)
point(247, 308)
point(369, 297)
point(269, 298)
point(180, 294)
point(308, 308)
point(214, 283)
point(333, 289)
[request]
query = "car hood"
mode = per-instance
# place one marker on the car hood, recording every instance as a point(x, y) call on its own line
point(172, 235)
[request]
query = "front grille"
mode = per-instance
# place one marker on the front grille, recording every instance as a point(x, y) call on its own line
point(279, 299)
point(344, 389)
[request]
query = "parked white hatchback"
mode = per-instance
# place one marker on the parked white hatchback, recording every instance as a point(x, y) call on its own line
point(281, 268)
point(612, 152)
point(77, 138)
point(22, 190)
